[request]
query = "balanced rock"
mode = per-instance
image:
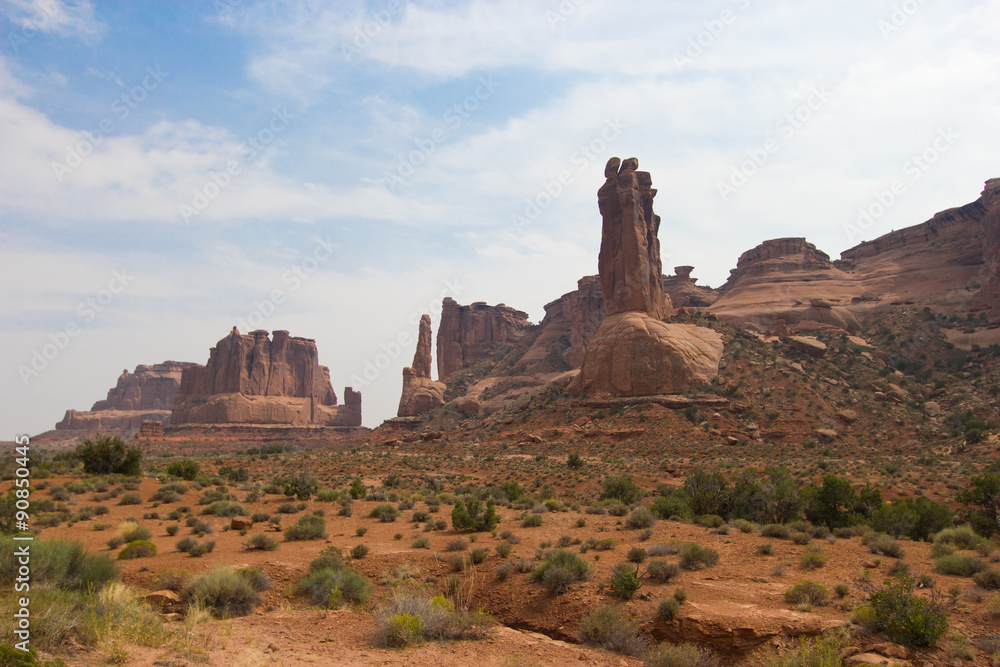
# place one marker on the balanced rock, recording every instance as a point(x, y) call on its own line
point(634, 352)
point(254, 379)
point(420, 393)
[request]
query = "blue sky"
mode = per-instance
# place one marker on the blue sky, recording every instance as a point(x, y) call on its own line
point(334, 169)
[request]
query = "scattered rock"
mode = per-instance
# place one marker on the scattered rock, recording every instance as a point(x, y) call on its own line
point(848, 416)
point(240, 523)
point(932, 409)
point(826, 434)
point(809, 345)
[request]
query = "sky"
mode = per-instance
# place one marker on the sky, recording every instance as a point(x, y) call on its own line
point(171, 169)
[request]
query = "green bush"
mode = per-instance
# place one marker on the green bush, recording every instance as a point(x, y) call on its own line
point(359, 551)
point(224, 508)
point(693, 556)
point(410, 617)
point(253, 576)
point(329, 586)
point(807, 592)
point(681, 655)
point(896, 611)
point(776, 530)
point(300, 485)
point(614, 630)
point(625, 581)
point(668, 608)
point(621, 488)
point(561, 569)
point(223, 592)
point(132, 531)
point(531, 521)
point(59, 563)
point(385, 513)
point(358, 490)
point(636, 555)
point(672, 502)
point(812, 558)
point(982, 498)
point(988, 579)
point(641, 517)
point(309, 527)
point(706, 491)
point(261, 542)
point(959, 537)
point(470, 515)
point(883, 544)
point(662, 570)
point(137, 549)
point(823, 651)
point(185, 469)
point(105, 455)
point(961, 565)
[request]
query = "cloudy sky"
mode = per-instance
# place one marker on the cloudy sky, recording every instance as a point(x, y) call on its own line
point(169, 170)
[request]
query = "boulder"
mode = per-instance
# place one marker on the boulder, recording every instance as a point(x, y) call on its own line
point(826, 434)
point(932, 409)
point(240, 523)
point(633, 354)
point(808, 344)
point(848, 416)
point(420, 393)
point(467, 405)
point(166, 601)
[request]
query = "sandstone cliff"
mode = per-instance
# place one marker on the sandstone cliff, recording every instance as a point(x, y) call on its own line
point(259, 380)
point(466, 334)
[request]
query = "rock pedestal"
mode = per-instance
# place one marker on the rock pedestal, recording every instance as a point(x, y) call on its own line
point(420, 393)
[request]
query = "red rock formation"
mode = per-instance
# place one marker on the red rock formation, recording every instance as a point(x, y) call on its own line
point(988, 274)
point(254, 379)
point(684, 293)
point(569, 323)
point(146, 394)
point(466, 334)
point(634, 352)
point(420, 393)
point(629, 263)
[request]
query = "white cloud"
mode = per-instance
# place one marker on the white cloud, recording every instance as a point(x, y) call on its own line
point(66, 19)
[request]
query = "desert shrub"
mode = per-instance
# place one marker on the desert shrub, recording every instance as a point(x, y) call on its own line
point(958, 564)
point(115, 542)
point(410, 617)
point(710, 521)
point(531, 521)
point(906, 618)
point(357, 490)
point(807, 592)
point(622, 489)
point(915, 518)
point(132, 531)
point(222, 592)
point(359, 551)
point(329, 586)
point(668, 608)
point(185, 544)
point(664, 549)
point(300, 485)
point(883, 544)
point(504, 548)
point(201, 548)
point(959, 537)
point(693, 556)
point(614, 630)
point(309, 527)
point(988, 579)
point(470, 515)
point(776, 530)
point(261, 542)
point(561, 569)
point(706, 491)
point(615, 507)
point(671, 502)
point(255, 578)
point(224, 508)
point(137, 549)
point(331, 557)
point(681, 655)
point(185, 469)
point(574, 461)
point(478, 555)
point(130, 499)
point(421, 543)
point(982, 498)
point(385, 513)
point(105, 455)
point(240, 474)
point(641, 517)
point(290, 508)
point(59, 563)
point(662, 570)
point(457, 544)
point(812, 558)
point(636, 555)
point(823, 651)
point(625, 581)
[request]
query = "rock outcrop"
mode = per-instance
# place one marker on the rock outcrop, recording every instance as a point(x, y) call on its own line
point(467, 334)
point(420, 393)
point(569, 323)
point(634, 352)
point(145, 394)
point(254, 379)
point(683, 291)
point(988, 275)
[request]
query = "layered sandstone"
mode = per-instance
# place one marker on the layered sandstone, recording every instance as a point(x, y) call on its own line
point(257, 379)
point(634, 352)
point(467, 334)
point(420, 393)
point(684, 292)
point(145, 394)
point(569, 323)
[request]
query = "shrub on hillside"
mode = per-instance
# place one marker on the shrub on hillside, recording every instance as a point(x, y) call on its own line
point(185, 469)
point(223, 592)
point(309, 527)
point(561, 569)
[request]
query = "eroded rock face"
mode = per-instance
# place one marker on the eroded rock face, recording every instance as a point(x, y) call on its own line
point(629, 262)
point(258, 379)
point(420, 393)
point(634, 352)
point(466, 334)
point(569, 323)
point(145, 394)
point(683, 291)
point(989, 273)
